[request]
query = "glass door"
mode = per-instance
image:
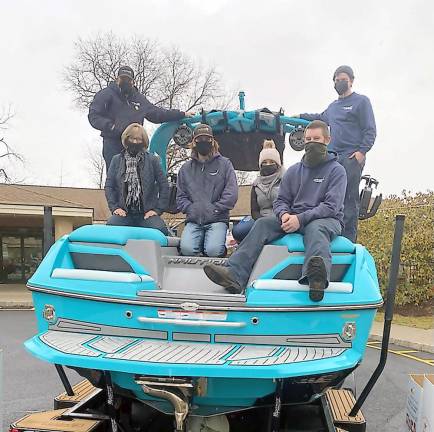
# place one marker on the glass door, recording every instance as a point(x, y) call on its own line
point(12, 268)
point(32, 251)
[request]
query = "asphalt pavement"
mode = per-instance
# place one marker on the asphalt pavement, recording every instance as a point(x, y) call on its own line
point(30, 384)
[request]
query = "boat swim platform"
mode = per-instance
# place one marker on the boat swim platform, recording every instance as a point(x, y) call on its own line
point(151, 357)
point(339, 403)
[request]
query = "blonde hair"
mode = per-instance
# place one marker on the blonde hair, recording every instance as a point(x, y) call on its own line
point(135, 128)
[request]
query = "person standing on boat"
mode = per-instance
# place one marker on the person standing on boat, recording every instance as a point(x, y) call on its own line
point(310, 201)
point(264, 189)
point(120, 104)
point(353, 130)
point(136, 188)
point(206, 191)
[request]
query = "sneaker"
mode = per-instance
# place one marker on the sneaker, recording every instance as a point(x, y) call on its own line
point(222, 276)
point(317, 276)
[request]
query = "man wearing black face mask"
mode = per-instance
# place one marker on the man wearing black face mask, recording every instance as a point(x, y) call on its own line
point(119, 105)
point(206, 191)
point(310, 201)
point(353, 132)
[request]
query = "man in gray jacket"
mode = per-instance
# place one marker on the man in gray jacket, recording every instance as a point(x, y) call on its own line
point(206, 191)
point(310, 201)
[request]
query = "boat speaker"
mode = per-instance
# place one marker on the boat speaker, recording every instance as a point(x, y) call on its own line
point(183, 136)
point(296, 138)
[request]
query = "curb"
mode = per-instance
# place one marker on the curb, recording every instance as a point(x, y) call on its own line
point(405, 343)
point(14, 305)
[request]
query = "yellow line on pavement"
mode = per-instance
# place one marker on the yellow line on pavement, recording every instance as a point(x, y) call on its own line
point(429, 362)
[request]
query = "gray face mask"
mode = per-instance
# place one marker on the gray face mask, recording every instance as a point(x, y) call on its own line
point(315, 153)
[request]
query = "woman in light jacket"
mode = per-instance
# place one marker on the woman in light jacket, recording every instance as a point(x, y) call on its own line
point(264, 189)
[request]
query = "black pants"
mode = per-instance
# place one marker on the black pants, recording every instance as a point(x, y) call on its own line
point(318, 235)
point(110, 148)
point(139, 221)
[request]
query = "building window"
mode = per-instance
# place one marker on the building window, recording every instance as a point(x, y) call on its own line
point(20, 254)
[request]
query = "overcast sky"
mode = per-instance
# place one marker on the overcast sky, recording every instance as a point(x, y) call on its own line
point(280, 52)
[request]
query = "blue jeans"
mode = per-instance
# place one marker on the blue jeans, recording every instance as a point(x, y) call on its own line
point(242, 228)
point(318, 235)
point(352, 196)
point(207, 239)
point(138, 220)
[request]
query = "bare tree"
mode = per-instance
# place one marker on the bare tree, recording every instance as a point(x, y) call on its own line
point(167, 76)
point(7, 153)
point(245, 177)
point(96, 165)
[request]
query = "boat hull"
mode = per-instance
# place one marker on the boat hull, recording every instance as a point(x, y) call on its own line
point(231, 368)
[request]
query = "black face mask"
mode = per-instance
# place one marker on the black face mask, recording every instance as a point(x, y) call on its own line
point(341, 87)
point(204, 147)
point(315, 153)
point(267, 170)
point(133, 149)
point(126, 87)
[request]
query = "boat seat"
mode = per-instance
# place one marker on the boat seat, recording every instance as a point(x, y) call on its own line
point(120, 235)
point(294, 243)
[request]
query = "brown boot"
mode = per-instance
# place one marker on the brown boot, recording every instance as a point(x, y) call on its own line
point(317, 276)
point(222, 276)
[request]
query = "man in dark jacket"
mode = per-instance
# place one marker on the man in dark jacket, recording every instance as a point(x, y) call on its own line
point(119, 105)
point(310, 201)
point(206, 191)
point(353, 132)
point(136, 189)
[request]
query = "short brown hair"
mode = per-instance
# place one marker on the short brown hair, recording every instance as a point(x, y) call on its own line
point(319, 124)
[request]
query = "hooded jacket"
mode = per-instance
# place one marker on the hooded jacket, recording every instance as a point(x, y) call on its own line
point(206, 191)
point(313, 192)
point(154, 185)
point(111, 111)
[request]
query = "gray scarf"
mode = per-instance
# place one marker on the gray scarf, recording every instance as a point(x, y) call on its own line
point(132, 180)
point(266, 183)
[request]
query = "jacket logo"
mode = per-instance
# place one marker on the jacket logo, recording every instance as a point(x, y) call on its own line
point(136, 105)
point(348, 108)
point(318, 180)
point(214, 173)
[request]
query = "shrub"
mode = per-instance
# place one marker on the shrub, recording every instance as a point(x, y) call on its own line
point(417, 255)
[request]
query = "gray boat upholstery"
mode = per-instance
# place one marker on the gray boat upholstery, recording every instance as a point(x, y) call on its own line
point(159, 256)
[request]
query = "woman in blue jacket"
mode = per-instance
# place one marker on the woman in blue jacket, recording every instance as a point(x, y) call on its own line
point(206, 191)
point(136, 189)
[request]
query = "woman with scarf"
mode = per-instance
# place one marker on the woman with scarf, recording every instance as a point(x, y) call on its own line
point(264, 189)
point(136, 189)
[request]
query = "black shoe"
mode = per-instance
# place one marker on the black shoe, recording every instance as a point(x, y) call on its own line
point(317, 276)
point(222, 276)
